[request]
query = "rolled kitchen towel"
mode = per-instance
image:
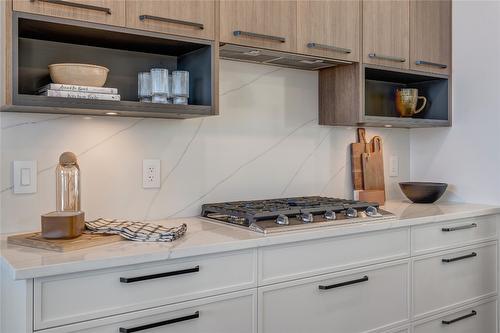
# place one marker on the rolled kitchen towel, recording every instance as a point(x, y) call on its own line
point(136, 231)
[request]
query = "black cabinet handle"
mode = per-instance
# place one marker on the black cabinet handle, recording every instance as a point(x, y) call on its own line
point(279, 39)
point(77, 5)
point(159, 275)
point(473, 254)
point(160, 323)
point(449, 322)
point(341, 284)
point(423, 62)
point(174, 21)
point(461, 227)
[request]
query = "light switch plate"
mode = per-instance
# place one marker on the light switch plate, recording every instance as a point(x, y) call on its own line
point(394, 166)
point(25, 177)
point(151, 173)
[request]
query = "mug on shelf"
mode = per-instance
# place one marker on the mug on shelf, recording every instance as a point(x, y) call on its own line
point(406, 102)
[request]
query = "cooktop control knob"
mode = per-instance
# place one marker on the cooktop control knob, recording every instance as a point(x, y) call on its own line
point(330, 215)
point(351, 213)
point(371, 211)
point(305, 217)
point(282, 220)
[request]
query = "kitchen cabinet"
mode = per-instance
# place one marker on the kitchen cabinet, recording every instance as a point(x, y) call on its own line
point(470, 274)
point(329, 28)
point(110, 12)
point(386, 33)
point(257, 23)
point(430, 36)
point(350, 302)
point(183, 18)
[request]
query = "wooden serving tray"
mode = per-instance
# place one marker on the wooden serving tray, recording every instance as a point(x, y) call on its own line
point(86, 240)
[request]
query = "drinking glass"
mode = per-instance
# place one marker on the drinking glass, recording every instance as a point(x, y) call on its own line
point(180, 86)
point(144, 87)
point(159, 85)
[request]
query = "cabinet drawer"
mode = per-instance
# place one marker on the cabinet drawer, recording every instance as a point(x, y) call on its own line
point(439, 236)
point(110, 12)
point(228, 313)
point(65, 299)
point(480, 318)
point(183, 18)
point(451, 278)
point(354, 301)
point(303, 259)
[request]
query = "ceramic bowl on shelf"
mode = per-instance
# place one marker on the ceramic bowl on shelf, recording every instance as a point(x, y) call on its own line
point(423, 192)
point(78, 74)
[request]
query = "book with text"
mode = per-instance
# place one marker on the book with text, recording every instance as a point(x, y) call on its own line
point(75, 88)
point(84, 95)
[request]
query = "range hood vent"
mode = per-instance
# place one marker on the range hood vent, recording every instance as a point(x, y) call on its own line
point(276, 58)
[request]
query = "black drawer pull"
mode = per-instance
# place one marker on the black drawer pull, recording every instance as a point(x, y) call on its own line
point(461, 227)
point(174, 21)
point(472, 255)
point(77, 5)
point(341, 284)
point(160, 323)
point(238, 33)
point(159, 275)
point(449, 322)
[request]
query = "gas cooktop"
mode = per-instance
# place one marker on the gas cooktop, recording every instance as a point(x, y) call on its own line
point(275, 215)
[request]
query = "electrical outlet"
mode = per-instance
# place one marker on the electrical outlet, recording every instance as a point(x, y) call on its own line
point(394, 166)
point(151, 173)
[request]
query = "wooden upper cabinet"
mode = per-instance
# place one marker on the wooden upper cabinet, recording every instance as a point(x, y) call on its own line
point(329, 28)
point(183, 17)
point(260, 23)
point(430, 36)
point(110, 12)
point(386, 33)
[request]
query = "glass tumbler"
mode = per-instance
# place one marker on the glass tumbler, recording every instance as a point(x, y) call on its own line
point(159, 85)
point(144, 87)
point(180, 86)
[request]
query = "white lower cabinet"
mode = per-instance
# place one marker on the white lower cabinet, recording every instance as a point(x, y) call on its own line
point(479, 318)
point(230, 313)
point(361, 300)
point(453, 278)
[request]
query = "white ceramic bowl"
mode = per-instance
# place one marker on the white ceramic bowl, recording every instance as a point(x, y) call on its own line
point(79, 74)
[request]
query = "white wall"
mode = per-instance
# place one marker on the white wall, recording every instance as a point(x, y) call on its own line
point(468, 155)
point(265, 144)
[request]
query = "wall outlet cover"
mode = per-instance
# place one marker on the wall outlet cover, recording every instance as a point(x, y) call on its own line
point(24, 177)
point(151, 173)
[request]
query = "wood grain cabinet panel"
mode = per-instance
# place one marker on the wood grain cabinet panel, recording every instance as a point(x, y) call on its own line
point(329, 28)
point(184, 18)
point(430, 36)
point(110, 12)
point(386, 33)
point(259, 23)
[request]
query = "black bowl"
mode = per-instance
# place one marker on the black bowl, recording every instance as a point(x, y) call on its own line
point(423, 192)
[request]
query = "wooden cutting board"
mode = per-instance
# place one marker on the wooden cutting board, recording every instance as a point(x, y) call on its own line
point(86, 240)
point(373, 166)
point(357, 149)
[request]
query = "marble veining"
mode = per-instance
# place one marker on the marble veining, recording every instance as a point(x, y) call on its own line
point(266, 143)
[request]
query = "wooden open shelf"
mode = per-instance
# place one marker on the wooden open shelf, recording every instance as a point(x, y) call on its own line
point(39, 41)
point(363, 95)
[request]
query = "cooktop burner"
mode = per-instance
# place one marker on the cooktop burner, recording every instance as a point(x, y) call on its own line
point(293, 213)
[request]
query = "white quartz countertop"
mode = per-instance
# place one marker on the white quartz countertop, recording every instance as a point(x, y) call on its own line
point(204, 237)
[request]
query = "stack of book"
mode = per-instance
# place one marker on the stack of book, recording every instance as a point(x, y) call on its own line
point(75, 91)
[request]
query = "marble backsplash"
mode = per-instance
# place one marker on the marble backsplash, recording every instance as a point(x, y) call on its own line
point(266, 143)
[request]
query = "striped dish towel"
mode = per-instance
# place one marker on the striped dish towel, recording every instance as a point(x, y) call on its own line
point(136, 231)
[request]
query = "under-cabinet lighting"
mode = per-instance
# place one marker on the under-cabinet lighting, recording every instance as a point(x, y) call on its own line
point(112, 113)
point(388, 125)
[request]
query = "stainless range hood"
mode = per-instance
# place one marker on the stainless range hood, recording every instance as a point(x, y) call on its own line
point(276, 58)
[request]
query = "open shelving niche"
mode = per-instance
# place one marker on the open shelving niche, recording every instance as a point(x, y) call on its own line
point(363, 95)
point(39, 41)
